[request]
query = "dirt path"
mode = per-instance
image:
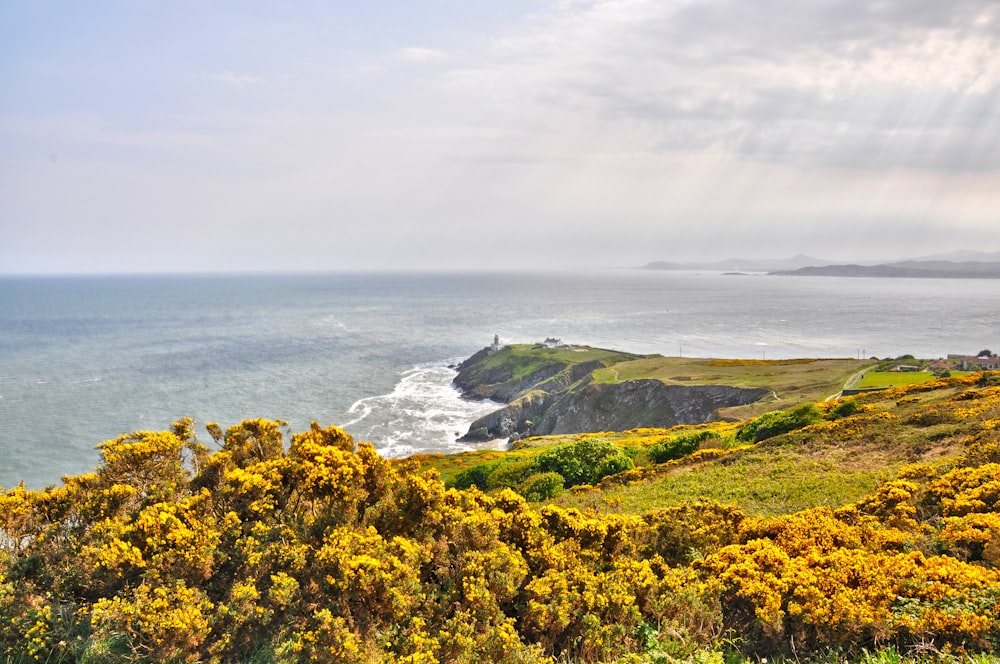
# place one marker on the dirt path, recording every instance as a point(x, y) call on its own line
point(849, 383)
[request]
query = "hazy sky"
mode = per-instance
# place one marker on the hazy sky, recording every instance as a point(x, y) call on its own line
point(155, 135)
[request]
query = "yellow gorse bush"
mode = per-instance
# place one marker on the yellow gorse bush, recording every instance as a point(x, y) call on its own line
point(322, 550)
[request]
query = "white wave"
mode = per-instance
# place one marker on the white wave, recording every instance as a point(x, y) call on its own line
point(423, 413)
point(361, 405)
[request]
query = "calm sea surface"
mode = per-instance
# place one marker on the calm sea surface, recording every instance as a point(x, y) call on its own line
point(84, 360)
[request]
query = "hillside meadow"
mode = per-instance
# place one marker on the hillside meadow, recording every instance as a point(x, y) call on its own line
point(858, 529)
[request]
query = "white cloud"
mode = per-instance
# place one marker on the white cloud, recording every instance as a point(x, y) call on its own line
point(767, 79)
point(418, 54)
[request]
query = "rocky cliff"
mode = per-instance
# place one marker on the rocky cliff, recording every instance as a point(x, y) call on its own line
point(639, 403)
point(552, 392)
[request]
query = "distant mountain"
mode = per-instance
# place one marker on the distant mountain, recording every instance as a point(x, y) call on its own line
point(742, 264)
point(963, 257)
point(936, 269)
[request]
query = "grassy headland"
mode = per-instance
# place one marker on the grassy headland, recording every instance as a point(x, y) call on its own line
point(790, 382)
point(578, 389)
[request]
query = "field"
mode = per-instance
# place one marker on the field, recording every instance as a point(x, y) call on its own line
point(791, 381)
point(898, 378)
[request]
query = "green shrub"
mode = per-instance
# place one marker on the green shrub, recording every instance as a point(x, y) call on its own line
point(679, 446)
point(585, 461)
point(511, 473)
point(613, 465)
point(475, 476)
point(988, 379)
point(778, 422)
point(843, 409)
point(541, 486)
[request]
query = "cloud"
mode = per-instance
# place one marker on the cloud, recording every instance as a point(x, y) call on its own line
point(893, 84)
point(418, 54)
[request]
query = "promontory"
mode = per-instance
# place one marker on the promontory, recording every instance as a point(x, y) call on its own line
point(559, 389)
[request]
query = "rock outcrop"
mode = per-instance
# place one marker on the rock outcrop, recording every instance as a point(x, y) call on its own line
point(639, 403)
point(549, 393)
point(513, 420)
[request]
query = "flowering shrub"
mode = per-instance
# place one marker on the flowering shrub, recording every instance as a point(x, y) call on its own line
point(725, 362)
point(322, 550)
point(811, 591)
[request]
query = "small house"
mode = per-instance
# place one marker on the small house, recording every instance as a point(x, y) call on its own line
point(986, 363)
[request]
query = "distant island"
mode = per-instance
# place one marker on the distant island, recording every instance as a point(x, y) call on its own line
point(905, 269)
point(741, 264)
point(956, 265)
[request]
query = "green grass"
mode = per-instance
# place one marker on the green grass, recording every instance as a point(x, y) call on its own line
point(448, 466)
point(779, 476)
point(759, 482)
point(894, 378)
point(791, 381)
point(899, 378)
point(525, 359)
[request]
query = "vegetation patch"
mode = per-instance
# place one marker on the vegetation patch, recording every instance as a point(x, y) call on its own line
point(894, 378)
point(791, 382)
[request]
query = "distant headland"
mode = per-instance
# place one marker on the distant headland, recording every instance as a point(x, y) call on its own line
point(955, 265)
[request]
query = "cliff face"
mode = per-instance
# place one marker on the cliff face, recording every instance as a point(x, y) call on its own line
point(639, 403)
point(550, 394)
point(514, 419)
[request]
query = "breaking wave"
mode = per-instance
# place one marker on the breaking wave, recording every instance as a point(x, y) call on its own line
point(423, 412)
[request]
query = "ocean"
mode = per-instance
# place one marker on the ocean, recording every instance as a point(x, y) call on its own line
point(85, 359)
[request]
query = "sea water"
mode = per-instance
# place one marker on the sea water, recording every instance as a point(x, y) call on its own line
point(85, 359)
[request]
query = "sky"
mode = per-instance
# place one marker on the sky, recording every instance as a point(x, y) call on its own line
point(273, 135)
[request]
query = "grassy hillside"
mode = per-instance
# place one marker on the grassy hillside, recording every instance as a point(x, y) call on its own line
point(831, 462)
point(520, 360)
point(791, 381)
point(863, 529)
